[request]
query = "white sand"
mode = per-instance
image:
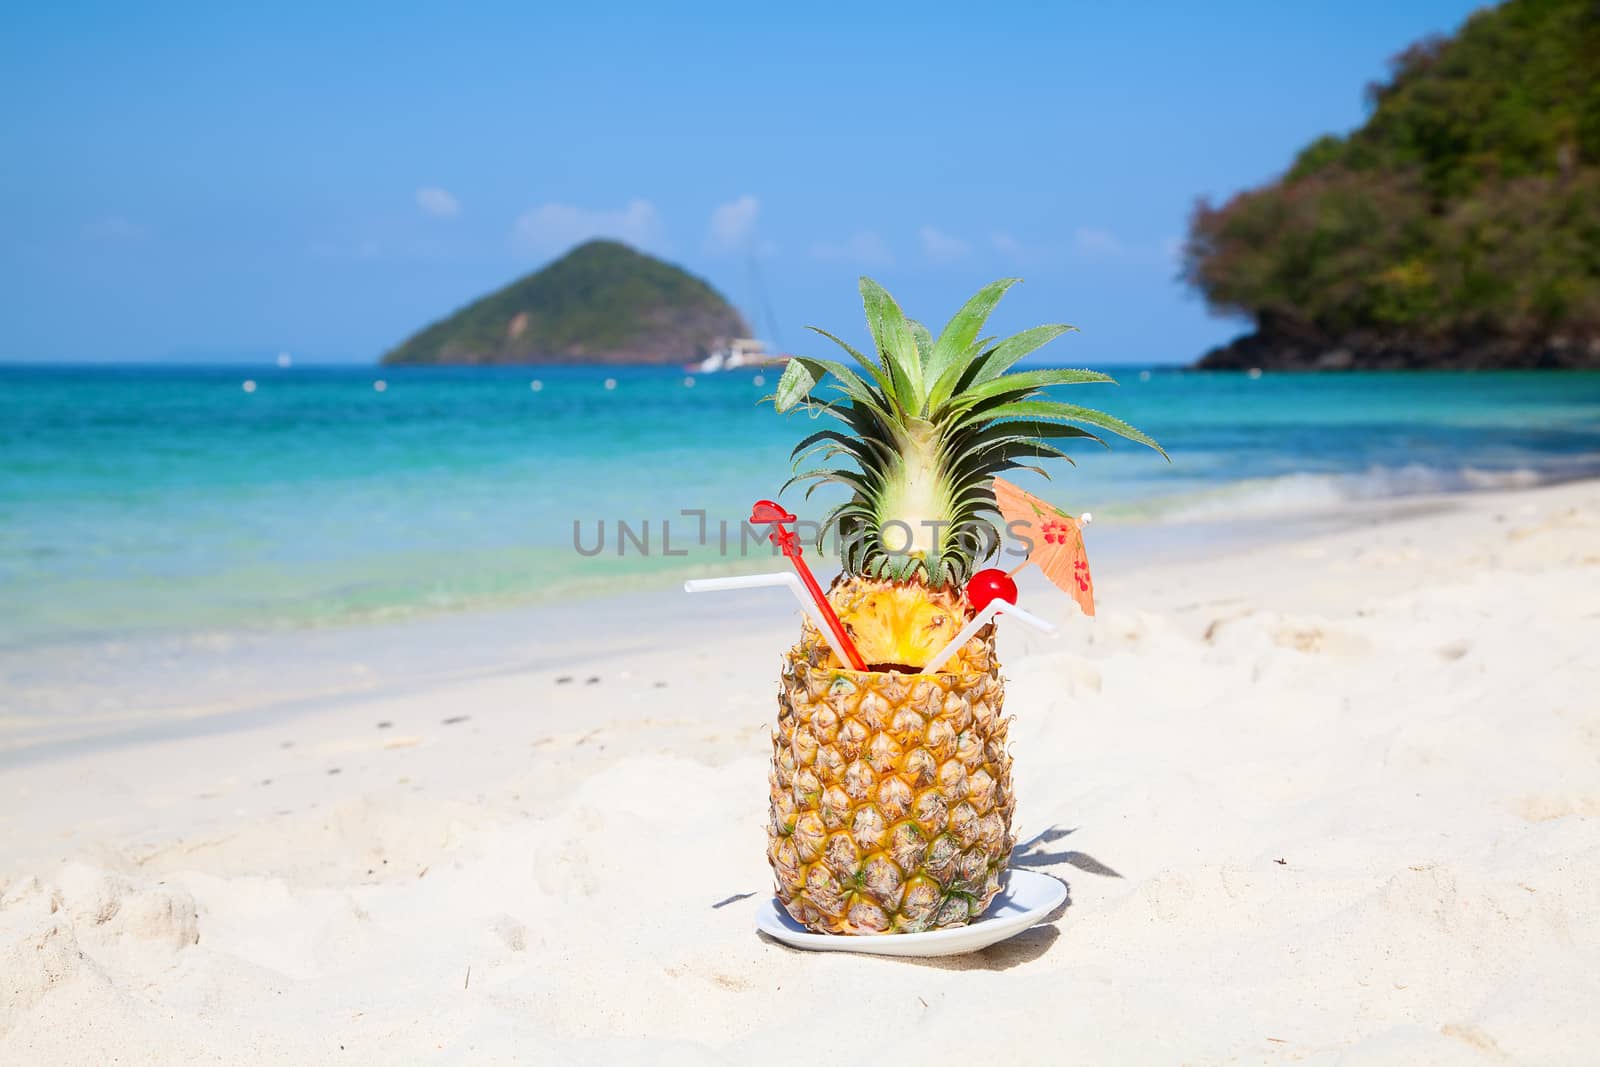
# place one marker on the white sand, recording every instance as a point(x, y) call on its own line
point(1331, 800)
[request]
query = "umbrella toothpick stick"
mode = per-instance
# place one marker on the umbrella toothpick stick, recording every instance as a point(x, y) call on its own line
point(765, 511)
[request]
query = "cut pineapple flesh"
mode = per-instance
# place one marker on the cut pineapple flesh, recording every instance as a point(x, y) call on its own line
point(901, 624)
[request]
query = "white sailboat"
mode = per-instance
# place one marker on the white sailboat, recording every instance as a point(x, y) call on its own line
point(739, 352)
point(744, 351)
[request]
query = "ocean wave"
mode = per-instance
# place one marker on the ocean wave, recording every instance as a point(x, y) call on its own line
point(1307, 493)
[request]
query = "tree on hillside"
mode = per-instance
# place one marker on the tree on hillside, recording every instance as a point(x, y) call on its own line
point(1463, 215)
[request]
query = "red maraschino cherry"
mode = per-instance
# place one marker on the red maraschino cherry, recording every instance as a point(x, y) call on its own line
point(986, 585)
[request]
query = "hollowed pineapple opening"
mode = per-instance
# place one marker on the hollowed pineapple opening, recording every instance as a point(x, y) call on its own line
point(897, 626)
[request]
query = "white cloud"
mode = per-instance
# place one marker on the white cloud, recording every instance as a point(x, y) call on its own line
point(114, 228)
point(440, 203)
point(1097, 244)
point(1103, 246)
point(941, 247)
point(733, 224)
point(864, 247)
point(1089, 244)
point(557, 227)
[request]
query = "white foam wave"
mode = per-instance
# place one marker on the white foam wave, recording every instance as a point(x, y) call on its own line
point(1307, 493)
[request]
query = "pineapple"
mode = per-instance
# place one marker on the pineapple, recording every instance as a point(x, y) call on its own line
point(891, 796)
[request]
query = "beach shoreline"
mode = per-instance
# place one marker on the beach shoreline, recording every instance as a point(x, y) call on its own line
point(164, 515)
point(1352, 769)
point(103, 692)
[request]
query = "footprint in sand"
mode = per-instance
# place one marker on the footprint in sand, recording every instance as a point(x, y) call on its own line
point(513, 934)
point(1546, 806)
point(110, 905)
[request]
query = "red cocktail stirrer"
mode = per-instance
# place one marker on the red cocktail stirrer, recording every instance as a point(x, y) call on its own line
point(765, 511)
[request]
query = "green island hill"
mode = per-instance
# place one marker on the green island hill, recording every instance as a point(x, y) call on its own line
point(1458, 228)
point(602, 302)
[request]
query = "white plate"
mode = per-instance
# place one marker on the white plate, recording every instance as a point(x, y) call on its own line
point(1026, 898)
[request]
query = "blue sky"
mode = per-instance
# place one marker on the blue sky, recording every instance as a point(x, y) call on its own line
point(188, 182)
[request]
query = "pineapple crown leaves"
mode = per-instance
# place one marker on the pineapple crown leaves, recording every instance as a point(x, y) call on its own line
point(927, 423)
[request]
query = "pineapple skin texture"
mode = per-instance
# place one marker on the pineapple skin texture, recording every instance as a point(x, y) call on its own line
point(891, 796)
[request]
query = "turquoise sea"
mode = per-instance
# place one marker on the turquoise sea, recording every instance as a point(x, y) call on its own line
point(159, 501)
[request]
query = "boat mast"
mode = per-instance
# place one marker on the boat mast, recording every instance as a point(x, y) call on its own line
point(763, 306)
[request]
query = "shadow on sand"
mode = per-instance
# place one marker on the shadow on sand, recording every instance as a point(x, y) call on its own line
point(1021, 857)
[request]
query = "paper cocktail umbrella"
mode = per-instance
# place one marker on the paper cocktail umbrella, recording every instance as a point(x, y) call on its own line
point(1057, 540)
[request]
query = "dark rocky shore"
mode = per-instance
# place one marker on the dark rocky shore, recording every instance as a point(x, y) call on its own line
point(1279, 349)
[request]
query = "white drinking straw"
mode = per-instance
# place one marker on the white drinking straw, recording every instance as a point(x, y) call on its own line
point(756, 581)
point(993, 608)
